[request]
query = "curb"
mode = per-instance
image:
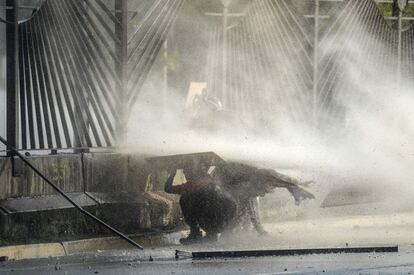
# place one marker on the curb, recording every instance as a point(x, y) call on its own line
point(32, 251)
point(46, 250)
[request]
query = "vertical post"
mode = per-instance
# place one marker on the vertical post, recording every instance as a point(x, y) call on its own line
point(402, 4)
point(12, 50)
point(81, 118)
point(399, 50)
point(315, 65)
point(165, 77)
point(395, 11)
point(121, 48)
point(224, 52)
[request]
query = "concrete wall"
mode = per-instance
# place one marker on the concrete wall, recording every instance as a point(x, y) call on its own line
point(100, 174)
point(118, 183)
point(64, 170)
point(94, 172)
point(115, 172)
point(7, 188)
point(106, 172)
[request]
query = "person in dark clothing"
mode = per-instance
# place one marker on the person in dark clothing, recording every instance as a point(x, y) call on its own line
point(247, 183)
point(224, 200)
point(205, 204)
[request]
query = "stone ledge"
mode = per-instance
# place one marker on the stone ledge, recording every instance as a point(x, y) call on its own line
point(46, 250)
point(33, 251)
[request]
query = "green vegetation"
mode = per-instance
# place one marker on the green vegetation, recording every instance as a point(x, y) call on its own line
point(409, 10)
point(386, 9)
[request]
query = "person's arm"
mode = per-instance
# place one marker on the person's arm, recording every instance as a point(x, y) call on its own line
point(178, 189)
point(168, 187)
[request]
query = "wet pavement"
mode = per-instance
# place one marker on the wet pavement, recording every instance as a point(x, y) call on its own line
point(372, 263)
point(352, 231)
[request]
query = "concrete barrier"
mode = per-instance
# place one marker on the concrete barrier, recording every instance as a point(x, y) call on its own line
point(138, 172)
point(33, 251)
point(114, 243)
point(46, 250)
point(113, 172)
point(119, 184)
point(64, 170)
point(7, 189)
point(106, 172)
point(91, 172)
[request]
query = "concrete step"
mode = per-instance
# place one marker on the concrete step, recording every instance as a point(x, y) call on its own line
point(51, 218)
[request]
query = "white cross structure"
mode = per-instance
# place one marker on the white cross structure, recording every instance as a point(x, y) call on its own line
point(317, 17)
point(402, 4)
point(225, 14)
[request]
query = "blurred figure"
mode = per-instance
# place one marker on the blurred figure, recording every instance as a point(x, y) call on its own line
point(206, 109)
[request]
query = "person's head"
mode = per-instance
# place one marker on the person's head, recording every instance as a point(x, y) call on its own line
point(195, 171)
point(215, 104)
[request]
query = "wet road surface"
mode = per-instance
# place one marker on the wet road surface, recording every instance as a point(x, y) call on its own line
point(357, 231)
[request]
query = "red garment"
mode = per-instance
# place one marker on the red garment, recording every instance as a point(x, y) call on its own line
point(193, 186)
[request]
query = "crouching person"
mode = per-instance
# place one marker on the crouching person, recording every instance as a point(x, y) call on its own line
point(205, 204)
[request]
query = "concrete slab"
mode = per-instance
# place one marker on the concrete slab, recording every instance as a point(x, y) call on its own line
point(78, 247)
point(33, 251)
point(121, 197)
point(42, 203)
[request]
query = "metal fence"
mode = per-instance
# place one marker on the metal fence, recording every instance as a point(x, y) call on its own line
point(81, 66)
point(82, 63)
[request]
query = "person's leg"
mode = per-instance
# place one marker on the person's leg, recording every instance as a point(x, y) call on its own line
point(190, 213)
point(217, 212)
point(253, 212)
